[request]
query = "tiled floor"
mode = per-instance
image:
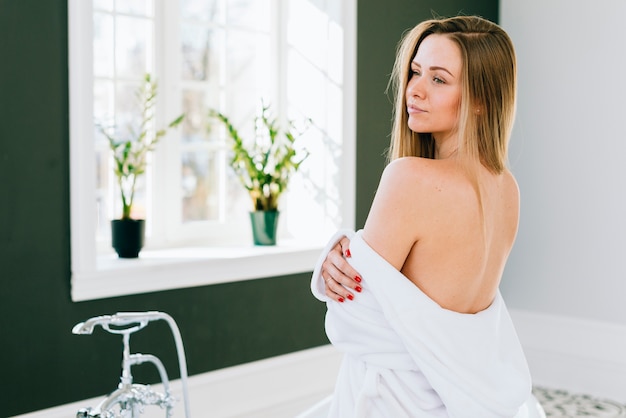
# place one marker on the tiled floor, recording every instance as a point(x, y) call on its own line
point(559, 403)
point(556, 403)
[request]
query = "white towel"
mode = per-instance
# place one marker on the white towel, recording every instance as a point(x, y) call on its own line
point(405, 356)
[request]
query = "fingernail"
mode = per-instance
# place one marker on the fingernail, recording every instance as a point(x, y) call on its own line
point(358, 289)
point(350, 297)
point(348, 253)
point(357, 279)
point(341, 299)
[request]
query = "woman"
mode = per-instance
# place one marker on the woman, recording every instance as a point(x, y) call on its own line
point(413, 298)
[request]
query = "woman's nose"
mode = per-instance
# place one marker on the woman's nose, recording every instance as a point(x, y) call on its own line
point(415, 88)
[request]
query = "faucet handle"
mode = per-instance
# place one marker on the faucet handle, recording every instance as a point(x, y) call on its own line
point(85, 413)
point(120, 323)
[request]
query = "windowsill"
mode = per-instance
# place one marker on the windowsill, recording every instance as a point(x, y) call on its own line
point(177, 268)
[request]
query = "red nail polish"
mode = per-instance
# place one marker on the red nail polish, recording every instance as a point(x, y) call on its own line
point(358, 289)
point(341, 299)
point(357, 279)
point(348, 253)
point(350, 297)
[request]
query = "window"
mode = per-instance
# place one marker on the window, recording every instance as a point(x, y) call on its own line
point(296, 55)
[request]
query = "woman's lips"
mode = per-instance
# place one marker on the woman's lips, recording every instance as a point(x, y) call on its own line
point(414, 109)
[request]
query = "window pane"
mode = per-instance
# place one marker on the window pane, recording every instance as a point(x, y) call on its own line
point(307, 31)
point(194, 123)
point(103, 94)
point(253, 14)
point(201, 53)
point(138, 7)
point(334, 112)
point(127, 111)
point(195, 107)
point(249, 74)
point(200, 10)
point(200, 186)
point(103, 45)
point(335, 53)
point(309, 97)
point(211, 191)
point(237, 202)
point(103, 5)
point(133, 43)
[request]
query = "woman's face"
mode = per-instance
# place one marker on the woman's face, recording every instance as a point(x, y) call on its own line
point(433, 94)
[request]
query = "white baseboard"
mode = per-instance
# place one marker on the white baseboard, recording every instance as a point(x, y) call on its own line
point(278, 387)
point(574, 354)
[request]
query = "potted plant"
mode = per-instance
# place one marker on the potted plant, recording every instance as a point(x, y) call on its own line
point(264, 167)
point(130, 154)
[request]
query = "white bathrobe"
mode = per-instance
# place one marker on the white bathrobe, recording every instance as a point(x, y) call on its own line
point(405, 356)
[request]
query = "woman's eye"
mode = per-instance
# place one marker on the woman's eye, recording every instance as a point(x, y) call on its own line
point(415, 73)
point(438, 80)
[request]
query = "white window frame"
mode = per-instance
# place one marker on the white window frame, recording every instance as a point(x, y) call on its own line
point(95, 277)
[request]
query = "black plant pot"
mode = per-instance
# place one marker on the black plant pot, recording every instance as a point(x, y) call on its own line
point(264, 225)
point(127, 236)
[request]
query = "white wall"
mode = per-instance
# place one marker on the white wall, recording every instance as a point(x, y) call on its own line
point(568, 153)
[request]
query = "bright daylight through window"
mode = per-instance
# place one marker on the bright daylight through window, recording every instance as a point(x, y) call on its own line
point(298, 56)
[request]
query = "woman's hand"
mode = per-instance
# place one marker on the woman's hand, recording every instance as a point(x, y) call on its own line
point(340, 278)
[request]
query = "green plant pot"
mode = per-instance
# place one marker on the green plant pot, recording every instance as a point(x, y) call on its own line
point(264, 225)
point(127, 236)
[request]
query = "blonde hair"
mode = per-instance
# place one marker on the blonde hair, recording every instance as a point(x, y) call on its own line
point(489, 85)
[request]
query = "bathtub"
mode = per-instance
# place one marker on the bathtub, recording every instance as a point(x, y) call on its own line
point(269, 388)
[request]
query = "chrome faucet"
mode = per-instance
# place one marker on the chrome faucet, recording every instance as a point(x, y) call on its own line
point(130, 399)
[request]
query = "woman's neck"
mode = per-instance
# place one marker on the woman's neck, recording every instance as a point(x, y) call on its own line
point(446, 148)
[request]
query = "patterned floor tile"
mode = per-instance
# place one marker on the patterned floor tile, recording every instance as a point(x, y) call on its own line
point(560, 403)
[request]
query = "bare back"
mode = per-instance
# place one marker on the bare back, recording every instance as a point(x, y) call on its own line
point(429, 221)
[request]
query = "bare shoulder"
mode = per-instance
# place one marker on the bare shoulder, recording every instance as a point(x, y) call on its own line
point(408, 184)
point(510, 191)
point(432, 182)
point(401, 202)
point(511, 199)
point(422, 185)
point(511, 184)
point(410, 172)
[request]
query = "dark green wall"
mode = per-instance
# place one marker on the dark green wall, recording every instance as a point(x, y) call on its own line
point(222, 325)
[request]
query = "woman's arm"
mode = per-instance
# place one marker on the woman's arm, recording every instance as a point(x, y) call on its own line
point(396, 212)
point(389, 229)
